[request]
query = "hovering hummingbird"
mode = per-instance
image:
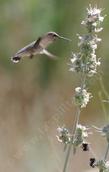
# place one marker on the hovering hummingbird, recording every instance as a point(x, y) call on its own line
point(38, 47)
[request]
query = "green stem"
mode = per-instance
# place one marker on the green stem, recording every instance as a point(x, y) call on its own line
point(103, 105)
point(103, 87)
point(83, 80)
point(106, 153)
point(70, 145)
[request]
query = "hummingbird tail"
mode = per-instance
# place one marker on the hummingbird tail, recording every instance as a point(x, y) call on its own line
point(15, 59)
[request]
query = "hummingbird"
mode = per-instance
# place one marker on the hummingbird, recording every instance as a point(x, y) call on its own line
point(38, 47)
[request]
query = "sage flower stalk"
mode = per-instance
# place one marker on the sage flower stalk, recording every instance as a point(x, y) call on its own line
point(85, 63)
point(86, 60)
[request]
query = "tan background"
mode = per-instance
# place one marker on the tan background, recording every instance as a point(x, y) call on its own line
point(36, 95)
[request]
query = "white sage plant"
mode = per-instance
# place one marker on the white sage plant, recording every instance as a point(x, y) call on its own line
point(85, 63)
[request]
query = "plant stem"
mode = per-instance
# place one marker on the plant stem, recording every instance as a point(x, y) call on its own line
point(73, 135)
point(103, 87)
point(106, 153)
point(76, 121)
point(103, 105)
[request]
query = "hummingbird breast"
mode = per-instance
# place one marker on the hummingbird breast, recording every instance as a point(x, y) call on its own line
point(46, 41)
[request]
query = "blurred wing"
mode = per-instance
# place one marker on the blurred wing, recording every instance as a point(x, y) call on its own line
point(37, 42)
point(49, 54)
point(26, 50)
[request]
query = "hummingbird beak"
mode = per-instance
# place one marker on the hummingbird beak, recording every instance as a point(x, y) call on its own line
point(61, 37)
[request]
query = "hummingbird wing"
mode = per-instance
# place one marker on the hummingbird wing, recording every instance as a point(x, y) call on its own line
point(52, 56)
point(37, 42)
point(26, 51)
point(22, 52)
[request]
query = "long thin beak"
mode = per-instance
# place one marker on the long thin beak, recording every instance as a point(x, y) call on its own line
point(65, 38)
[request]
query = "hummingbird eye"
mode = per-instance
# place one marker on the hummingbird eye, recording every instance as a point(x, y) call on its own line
point(55, 36)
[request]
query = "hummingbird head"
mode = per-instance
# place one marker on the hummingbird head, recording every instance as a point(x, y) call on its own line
point(53, 36)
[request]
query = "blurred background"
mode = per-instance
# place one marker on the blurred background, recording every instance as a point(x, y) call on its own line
point(36, 95)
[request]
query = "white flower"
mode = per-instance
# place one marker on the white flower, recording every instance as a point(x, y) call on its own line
point(83, 22)
point(107, 164)
point(103, 165)
point(94, 46)
point(81, 135)
point(64, 135)
point(98, 29)
point(83, 130)
point(101, 18)
point(75, 64)
point(82, 97)
point(93, 19)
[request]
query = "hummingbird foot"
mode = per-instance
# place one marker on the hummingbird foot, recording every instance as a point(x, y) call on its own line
point(15, 59)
